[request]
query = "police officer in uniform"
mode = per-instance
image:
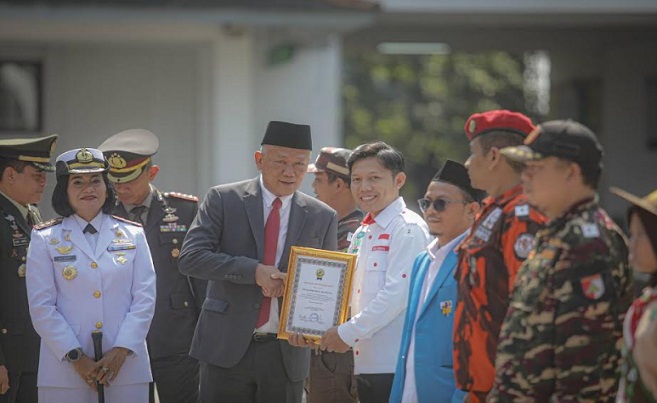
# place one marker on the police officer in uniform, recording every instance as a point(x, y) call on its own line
point(166, 218)
point(562, 335)
point(23, 167)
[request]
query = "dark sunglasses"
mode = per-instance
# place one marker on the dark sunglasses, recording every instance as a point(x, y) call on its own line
point(438, 204)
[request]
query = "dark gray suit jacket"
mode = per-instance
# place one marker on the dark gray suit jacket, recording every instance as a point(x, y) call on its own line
point(224, 245)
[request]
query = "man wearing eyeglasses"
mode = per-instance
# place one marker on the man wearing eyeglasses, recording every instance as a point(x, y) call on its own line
point(424, 367)
point(491, 254)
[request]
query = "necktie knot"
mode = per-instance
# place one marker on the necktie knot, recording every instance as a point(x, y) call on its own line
point(277, 203)
point(90, 229)
point(136, 213)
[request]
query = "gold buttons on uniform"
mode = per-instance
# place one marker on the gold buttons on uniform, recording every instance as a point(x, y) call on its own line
point(23, 258)
point(97, 294)
point(94, 265)
point(4, 331)
point(186, 304)
point(175, 241)
point(99, 325)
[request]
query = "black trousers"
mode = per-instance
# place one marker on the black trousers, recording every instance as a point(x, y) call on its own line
point(374, 388)
point(22, 388)
point(259, 377)
point(176, 378)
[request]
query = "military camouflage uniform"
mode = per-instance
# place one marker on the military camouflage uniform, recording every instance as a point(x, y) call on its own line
point(562, 335)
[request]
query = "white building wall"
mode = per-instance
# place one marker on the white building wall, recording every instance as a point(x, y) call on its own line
point(92, 91)
point(305, 90)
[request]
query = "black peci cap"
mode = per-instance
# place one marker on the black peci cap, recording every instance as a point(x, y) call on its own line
point(456, 174)
point(288, 135)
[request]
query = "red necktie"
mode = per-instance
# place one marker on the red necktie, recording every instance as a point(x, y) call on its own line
point(368, 220)
point(271, 243)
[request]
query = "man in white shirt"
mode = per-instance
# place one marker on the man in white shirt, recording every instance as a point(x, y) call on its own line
point(388, 240)
point(425, 366)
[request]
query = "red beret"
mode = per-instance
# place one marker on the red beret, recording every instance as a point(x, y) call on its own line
point(501, 119)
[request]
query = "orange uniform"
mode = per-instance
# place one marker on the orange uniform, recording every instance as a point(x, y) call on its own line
point(489, 258)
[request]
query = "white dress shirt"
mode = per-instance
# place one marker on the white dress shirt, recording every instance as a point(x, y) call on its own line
point(267, 200)
point(437, 254)
point(386, 251)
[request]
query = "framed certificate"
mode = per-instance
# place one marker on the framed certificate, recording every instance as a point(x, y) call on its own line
point(317, 292)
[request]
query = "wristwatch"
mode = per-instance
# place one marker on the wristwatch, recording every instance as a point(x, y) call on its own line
point(74, 355)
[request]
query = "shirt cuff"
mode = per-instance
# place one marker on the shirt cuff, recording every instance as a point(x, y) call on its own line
point(347, 334)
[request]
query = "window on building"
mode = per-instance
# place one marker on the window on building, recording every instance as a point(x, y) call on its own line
point(20, 96)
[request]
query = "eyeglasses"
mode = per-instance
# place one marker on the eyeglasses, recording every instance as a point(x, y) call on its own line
point(438, 204)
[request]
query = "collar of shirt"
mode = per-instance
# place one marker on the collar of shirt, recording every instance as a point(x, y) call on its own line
point(505, 197)
point(147, 202)
point(268, 197)
point(391, 211)
point(96, 221)
point(22, 209)
point(589, 203)
point(439, 252)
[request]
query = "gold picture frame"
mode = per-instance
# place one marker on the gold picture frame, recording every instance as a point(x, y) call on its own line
point(317, 292)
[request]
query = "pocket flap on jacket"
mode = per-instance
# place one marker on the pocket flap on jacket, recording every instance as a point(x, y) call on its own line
point(215, 305)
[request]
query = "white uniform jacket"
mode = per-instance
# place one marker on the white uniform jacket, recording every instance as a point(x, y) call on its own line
point(73, 291)
point(386, 251)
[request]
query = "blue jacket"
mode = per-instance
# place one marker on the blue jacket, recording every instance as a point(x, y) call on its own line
point(434, 374)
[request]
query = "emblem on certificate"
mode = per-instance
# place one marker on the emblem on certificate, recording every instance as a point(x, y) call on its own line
point(70, 272)
point(317, 292)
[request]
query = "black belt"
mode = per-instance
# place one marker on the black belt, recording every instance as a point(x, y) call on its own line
point(264, 337)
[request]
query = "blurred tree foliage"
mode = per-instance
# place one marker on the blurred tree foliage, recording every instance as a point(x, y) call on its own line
point(419, 104)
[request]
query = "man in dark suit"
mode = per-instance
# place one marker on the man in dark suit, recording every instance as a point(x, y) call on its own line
point(240, 241)
point(23, 167)
point(166, 218)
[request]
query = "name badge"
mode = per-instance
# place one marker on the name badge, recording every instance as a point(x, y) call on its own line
point(24, 241)
point(71, 258)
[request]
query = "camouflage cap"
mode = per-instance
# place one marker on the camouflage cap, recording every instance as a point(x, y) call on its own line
point(332, 160)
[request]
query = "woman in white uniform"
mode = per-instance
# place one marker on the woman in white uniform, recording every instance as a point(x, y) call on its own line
point(88, 271)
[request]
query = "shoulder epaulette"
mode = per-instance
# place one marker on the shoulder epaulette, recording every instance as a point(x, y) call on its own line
point(181, 196)
point(126, 220)
point(49, 223)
